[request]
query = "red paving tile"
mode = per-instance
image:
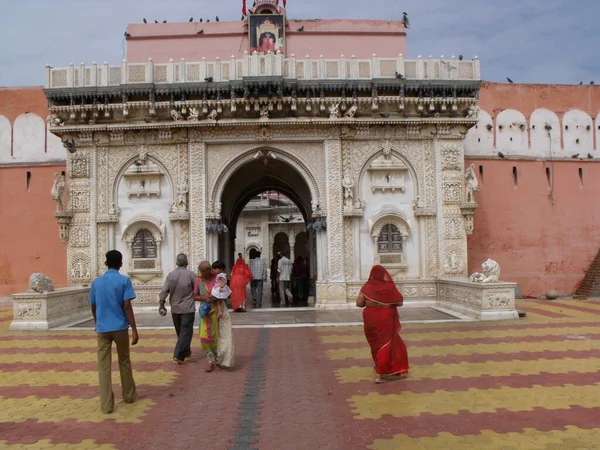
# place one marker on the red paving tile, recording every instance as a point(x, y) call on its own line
point(299, 402)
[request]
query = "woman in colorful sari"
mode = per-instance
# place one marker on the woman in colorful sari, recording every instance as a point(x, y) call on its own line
point(380, 298)
point(240, 277)
point(216, 334)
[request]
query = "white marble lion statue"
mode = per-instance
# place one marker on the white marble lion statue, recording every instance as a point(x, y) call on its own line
point(491, 273)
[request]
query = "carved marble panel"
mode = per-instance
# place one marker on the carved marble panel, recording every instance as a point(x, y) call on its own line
point(80, 270)
point(197, 158)
point(80, 201)
point(453, 228)
point(80, 166)
point(335, 229)
point(450, 157)
point(79, 236)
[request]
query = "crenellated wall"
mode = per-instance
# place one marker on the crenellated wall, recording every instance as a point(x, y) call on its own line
point(538, 208)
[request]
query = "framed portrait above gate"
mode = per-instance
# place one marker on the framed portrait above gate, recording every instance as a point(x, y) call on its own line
point(267, 33)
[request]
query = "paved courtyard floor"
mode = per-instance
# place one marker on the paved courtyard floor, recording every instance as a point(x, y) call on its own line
point(527, 384)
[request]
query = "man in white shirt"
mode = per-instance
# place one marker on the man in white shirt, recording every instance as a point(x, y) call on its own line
point(284, 270)
point(259, 277)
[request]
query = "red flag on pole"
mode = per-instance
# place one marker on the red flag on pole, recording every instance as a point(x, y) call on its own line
point(284, 3)
point(244, 12)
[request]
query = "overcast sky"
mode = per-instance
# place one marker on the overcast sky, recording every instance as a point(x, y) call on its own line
point(530, 41)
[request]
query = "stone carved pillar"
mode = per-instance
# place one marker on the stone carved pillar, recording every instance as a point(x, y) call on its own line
point(333, 291)
point(197, 208)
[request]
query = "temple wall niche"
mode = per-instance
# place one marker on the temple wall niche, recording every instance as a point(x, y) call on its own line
point(5, 138)
point(546, 136)
point(28, 137)
point(578, 136)
point(511, 132)
point(142, 195)
point(544, 141)
point(480, 138)
point(393, 202)
point(31, 142)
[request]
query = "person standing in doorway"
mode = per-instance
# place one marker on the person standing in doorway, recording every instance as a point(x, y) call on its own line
point(240, 277)
point(284, 270)
point(274, 283)
point(179, 287)
point(110, 299)
point(258, 267)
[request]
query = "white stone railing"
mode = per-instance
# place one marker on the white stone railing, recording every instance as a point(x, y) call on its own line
point(255, 65)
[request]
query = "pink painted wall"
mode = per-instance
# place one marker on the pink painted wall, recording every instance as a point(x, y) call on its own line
point(28, 231)
point(540, 242)
point(29, 240)
point(330, 38)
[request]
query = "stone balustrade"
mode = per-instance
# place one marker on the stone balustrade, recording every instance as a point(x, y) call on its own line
point(255, 65)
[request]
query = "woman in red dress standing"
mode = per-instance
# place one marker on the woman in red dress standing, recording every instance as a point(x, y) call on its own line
point(380, 298)
point(240, 277)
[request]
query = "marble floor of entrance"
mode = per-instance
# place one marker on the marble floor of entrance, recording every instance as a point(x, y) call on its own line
point(288, 317)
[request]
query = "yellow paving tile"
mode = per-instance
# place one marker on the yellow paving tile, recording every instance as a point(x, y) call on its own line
point(530, 439)
point(375, 405)
point(82, 357)
point(434, 336)
point(79, 343)
point(64, 408)
point(439, 371)
point(77, 377)
point(441, 350)
point(47, 443)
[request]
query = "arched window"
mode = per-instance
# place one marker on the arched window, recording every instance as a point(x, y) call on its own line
point(144, 250)
point(389, 240)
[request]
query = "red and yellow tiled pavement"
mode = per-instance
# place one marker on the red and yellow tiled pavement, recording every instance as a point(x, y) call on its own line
point(527, 384)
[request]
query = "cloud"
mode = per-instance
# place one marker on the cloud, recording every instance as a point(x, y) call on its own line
point(554, 41)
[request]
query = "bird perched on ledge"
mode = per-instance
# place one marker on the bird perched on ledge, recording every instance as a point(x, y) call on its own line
point(70, 145)
point(301, 28)
point(405, 21)
point(209, 79)
point(501, 155)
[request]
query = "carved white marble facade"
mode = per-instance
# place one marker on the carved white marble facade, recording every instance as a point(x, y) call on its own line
point(122, 183)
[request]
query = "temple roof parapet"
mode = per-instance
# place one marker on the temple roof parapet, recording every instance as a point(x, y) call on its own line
point(262, 66)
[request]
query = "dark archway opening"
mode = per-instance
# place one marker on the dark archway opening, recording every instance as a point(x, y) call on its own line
point(245, 187)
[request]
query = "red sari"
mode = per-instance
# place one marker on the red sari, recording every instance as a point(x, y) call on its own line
point(382, 323)
point(240, 277)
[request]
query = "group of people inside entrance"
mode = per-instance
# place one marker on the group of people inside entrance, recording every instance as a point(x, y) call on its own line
point(111, 295)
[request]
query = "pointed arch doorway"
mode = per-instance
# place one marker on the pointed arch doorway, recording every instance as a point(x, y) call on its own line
point(279, 232)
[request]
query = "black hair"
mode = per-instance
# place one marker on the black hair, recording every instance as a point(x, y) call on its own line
point(218, 264)
point(114, 259)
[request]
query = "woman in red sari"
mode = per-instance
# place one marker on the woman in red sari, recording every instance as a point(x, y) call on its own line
point(380, 298)
point(240, 277)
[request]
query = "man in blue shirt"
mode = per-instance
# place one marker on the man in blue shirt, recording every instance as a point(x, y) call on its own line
point(110, 298)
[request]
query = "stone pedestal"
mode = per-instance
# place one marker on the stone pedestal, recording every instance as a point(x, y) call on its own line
point(482, 301)
point(34, 311)
point(331, 296)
